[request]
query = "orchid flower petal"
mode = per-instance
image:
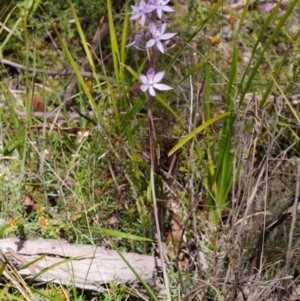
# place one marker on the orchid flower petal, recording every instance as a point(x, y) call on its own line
point(158, 76)
point(160, 46)
point(150, 43)
point(150, 73)
point(162, 87)
point(167, 36)
point(143, 79)
point(151, 91)
point(167, 8)
point(144, 88)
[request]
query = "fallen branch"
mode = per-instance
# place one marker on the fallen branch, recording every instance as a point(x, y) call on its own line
point(85, 266)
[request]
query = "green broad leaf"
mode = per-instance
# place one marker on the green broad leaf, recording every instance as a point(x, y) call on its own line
point(197, 131)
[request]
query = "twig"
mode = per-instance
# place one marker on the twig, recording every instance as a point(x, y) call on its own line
point(58, 116)
point(289, 251)
point(66, 71)
point(54, 43)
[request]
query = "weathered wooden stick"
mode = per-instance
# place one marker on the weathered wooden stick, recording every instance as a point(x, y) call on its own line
point(85, 266)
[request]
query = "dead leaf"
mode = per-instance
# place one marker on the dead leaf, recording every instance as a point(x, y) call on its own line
point(29, 204)
point(37, 103)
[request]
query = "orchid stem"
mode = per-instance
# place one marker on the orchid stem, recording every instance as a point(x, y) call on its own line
point(150, 101)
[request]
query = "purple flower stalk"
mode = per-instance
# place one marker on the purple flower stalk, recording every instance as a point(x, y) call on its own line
point(146, 12)
point(149, 11)
point(151, 81)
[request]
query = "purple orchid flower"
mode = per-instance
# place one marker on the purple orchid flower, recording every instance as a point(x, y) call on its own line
point(151, 81)
point(160, 6)
point(141, 11)
point(268, 7)
point(157, 35)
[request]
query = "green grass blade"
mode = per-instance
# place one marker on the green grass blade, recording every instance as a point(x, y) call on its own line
point(115, 233)
point(114, 43)
point(294, 112)
point(46, 295)
point(168, 107)
point(90, 59)
point(228, 121)
point(196, 131)
point(82, 36)
point(144, 284)
point(48, 268)
point(16, 141)
point(123, 46)
point(132, 72)
point(13, 297)
point(2, 267)
point(267, 44)
point(77, 73)
point(25, 266)
point(271, 83)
